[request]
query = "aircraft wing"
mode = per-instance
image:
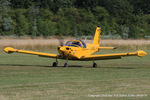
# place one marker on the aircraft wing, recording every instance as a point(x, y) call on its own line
point(11, 50)
point(139, 53)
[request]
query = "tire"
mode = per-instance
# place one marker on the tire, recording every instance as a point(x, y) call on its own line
point(54, 64)
point(94, 65)
point(66, 65)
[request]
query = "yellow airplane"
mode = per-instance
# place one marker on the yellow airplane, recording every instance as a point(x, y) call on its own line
point(79, 50)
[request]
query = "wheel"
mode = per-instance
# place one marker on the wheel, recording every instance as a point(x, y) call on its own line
point(94, 65)
point(55, 64)
point(66, 65)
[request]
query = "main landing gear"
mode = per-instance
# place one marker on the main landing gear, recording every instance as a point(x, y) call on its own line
point(94, 65)
point(55, 63)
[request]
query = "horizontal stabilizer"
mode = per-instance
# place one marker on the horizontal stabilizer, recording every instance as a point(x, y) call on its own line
point(107, 47)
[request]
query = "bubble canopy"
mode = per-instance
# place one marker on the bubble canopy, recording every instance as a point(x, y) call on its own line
point(76, 43)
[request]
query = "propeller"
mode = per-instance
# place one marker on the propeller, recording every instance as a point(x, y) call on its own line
point(60, 39)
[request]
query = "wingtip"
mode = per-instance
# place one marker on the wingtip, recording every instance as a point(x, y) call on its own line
point(141, 53)
point(9, 50)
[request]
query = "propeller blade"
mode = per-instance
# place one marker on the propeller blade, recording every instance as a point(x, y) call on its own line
point(60, 39)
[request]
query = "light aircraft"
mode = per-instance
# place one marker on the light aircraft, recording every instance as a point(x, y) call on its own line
point(79, 50)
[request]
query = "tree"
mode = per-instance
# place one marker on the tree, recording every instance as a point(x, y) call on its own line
point(120, 9)
point(63, 26)
point(100, 13)
point(32, 15)
point(45, 14)
point(87, 4)
point(71, 18)
point(8, 26)
point(21, 3)
point(46, 27)
point(141, 6)
point(74, 17)
point(21, 23)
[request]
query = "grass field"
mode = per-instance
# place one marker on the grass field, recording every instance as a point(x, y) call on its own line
point(28, 77)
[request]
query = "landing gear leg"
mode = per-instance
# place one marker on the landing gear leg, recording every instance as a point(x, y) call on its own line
point(66, 63)
point(55, 63)
point(94, 65)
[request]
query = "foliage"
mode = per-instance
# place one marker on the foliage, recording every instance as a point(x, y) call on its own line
point(46, 27)
point(7, 26)
point(126, 18)
point(21, 23)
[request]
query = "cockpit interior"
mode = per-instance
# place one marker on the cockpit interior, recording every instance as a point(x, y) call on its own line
point(76, 43)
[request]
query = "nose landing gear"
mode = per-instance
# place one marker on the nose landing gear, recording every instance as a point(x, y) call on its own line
point(66, 63)
point(55, 64)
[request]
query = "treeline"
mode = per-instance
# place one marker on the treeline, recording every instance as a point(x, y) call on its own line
point(126, 18)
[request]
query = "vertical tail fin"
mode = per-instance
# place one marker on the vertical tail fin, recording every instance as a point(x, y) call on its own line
point(97, 36)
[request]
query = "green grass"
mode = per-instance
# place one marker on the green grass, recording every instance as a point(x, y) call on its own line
point(27, 77)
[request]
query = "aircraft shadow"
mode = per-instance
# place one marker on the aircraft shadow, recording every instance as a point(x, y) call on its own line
point(119, 67)
point(21, 65)
point(71, 66)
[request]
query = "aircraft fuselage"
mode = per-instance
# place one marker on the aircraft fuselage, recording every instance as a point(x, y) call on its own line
point(76, 53)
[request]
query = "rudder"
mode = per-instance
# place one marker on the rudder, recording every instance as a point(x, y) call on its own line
point(97, 36)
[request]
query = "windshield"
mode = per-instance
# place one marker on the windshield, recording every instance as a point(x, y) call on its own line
point(73, 43)
point(76, 43)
